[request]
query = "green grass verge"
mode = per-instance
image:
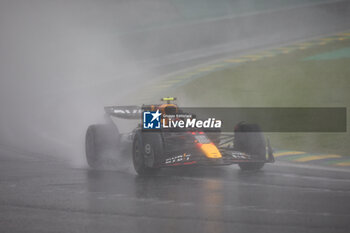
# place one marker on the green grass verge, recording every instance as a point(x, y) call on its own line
point(286, 80)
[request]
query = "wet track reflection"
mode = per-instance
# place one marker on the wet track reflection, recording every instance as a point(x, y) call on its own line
point(216, 199)
point(48, 196)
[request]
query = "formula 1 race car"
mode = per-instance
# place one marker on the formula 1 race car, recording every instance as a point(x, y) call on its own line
point(152, 150)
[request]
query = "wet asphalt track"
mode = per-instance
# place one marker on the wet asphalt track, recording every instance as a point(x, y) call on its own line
point(39, 194)
point(42, 195)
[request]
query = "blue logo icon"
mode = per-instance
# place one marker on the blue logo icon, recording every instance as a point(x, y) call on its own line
point(151, 120)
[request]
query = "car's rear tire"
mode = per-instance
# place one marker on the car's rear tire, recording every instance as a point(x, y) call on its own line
point(249, 139)
point(100, 140)
point(146, 153)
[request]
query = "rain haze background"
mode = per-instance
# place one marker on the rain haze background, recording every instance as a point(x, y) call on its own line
point(62, 61)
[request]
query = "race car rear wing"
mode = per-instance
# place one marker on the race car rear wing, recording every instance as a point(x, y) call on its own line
point(131, 112)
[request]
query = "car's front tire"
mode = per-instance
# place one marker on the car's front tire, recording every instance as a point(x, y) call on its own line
point(251, 166)
point(249, 139)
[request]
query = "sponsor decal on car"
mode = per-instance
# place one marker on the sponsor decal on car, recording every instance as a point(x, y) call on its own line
point(239, 155)
point(178, 158)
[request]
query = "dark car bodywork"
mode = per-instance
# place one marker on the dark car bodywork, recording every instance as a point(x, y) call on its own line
point(185, 147)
